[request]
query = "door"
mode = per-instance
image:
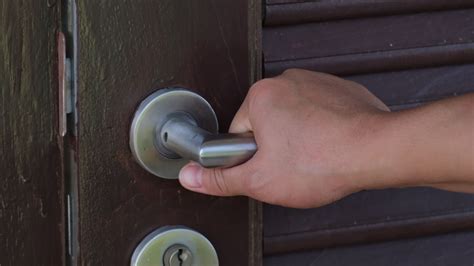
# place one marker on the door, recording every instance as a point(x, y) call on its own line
point(72, 75)
point(127, 50)
point(72, 193)
point(32, 198)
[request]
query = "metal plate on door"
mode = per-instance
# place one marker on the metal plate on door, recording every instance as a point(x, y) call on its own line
point(174, 246)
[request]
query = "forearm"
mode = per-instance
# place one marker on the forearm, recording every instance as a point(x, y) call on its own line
point(429, 145)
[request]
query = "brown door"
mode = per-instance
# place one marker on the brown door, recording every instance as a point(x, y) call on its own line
point(71, 191)
point(32, 222)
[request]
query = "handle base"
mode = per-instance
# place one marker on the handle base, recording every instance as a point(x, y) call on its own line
point(146, 143)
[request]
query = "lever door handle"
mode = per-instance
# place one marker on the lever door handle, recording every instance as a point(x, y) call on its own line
point(183, 137)
point(173, 126)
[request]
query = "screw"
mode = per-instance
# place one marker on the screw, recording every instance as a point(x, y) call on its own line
point(177, 255)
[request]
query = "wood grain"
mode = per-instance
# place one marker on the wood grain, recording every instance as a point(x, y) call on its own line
point(385, 61)
point(284, 12)
point(418, 85)
point(366, 217)
point(128, 50)
point(368, 35)
point(444, 250)
point(255, 66)
point(31, 191)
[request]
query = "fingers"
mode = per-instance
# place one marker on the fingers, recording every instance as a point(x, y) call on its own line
point(213, 181)
point(220, 181)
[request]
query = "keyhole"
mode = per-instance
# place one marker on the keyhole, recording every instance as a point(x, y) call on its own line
point(182, 256)
point(165, 138)
point(177, 255)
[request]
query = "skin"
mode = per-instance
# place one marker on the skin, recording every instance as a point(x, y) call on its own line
point(321, 138)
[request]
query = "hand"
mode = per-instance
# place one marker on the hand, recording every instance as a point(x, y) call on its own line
point(317, 136)
point(321, 138)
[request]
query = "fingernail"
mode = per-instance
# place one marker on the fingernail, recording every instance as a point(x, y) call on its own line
point(191, 176)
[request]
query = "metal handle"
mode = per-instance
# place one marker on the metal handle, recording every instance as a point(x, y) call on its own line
point(174, 125)
point(182, 136)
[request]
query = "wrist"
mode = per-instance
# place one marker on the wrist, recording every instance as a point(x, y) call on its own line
point(390, 154)
point(396, 150)
point(380, 162)
point(423, 146)
point(376, 157)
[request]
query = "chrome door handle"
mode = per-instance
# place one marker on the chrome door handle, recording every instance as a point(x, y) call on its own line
point(182, 136)
point(173, 126)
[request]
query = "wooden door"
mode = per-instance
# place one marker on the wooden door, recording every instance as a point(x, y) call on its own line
point(32, 201)
point(72, 74)
point(125, 51)
point(80, 199)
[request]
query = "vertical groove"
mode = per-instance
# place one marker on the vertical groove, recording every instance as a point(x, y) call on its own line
point(69, 19)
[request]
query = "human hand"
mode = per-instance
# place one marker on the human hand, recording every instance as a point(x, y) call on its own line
point(316, 137)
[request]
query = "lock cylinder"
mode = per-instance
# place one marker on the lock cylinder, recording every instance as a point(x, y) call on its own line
point(174, 246)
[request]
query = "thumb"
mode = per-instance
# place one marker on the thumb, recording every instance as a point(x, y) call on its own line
point(212, 181)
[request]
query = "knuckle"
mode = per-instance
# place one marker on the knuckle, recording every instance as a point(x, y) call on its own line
point(262, 86)
point(263, 91)
point(291, 71)
point(218, 181)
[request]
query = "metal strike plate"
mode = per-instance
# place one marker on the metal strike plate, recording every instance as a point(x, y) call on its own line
point(174, 245)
